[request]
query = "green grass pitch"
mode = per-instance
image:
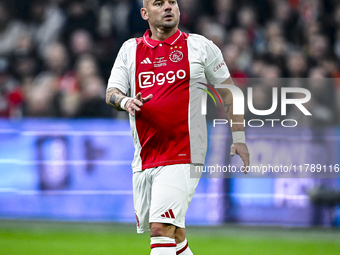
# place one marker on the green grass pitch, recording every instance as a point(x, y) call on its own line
point(69, 238)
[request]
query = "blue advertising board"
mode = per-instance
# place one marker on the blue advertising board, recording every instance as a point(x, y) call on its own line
point(58, 169)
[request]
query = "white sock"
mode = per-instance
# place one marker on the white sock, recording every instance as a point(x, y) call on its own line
point(162, 245)
point(183, 248)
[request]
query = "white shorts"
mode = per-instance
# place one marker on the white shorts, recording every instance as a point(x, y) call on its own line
point(163, 194)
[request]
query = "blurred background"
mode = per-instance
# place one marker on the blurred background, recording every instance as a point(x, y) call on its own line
point(56, 55)
point(65, 155)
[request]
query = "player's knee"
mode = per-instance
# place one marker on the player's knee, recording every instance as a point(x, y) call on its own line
point(180, 235)
point(160, 229)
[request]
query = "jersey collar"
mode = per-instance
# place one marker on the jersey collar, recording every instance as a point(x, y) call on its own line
point(154, 43)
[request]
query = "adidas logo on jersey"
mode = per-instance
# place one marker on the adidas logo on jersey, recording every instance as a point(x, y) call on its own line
point(146, 61)
point(168, 214)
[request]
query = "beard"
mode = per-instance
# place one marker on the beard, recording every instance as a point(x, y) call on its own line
point(171, 24)
point(167, 24)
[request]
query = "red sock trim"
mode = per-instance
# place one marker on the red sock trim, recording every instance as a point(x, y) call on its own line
point(156, 245)
point(183, 249)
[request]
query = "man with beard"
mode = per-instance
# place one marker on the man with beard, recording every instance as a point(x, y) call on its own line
point(160, 73)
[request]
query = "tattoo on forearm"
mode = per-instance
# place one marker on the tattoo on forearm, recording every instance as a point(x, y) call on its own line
point(226, 107)
point(114, 97)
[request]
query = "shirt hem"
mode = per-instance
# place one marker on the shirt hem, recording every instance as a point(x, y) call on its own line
point(166, 163)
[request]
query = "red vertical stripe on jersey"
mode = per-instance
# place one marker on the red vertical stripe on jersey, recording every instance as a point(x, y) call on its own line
point(163, 122)
point(167, 215)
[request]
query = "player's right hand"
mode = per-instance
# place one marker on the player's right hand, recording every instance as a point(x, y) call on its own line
point(136, 102)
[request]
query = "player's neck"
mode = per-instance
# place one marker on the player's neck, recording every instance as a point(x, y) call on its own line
point(160, 34)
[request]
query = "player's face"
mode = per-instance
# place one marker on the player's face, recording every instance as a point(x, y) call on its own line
point(162, 14)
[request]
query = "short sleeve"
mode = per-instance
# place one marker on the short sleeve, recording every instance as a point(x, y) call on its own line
point(119, 77)
point(216, 69)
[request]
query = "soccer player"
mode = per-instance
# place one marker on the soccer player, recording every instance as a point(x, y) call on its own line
point(159, 72)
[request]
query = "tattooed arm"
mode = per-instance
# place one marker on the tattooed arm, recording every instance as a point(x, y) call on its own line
point(115, 97)
point(228, 106)
point(239, 148)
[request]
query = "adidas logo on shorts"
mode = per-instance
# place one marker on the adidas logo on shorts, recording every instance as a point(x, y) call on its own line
point(168, 214)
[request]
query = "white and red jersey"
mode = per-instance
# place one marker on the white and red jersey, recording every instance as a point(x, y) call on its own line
point(170, 128)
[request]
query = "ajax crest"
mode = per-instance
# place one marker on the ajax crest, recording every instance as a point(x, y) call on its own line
point(176, 56)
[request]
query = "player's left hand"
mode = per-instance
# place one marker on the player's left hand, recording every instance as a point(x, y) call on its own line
point(241, 150)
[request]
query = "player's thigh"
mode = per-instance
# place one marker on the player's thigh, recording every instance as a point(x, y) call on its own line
point(192, 182)
point(172, 191)
point(141, 200)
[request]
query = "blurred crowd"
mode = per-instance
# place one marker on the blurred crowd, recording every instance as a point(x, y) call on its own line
point(56, 55)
